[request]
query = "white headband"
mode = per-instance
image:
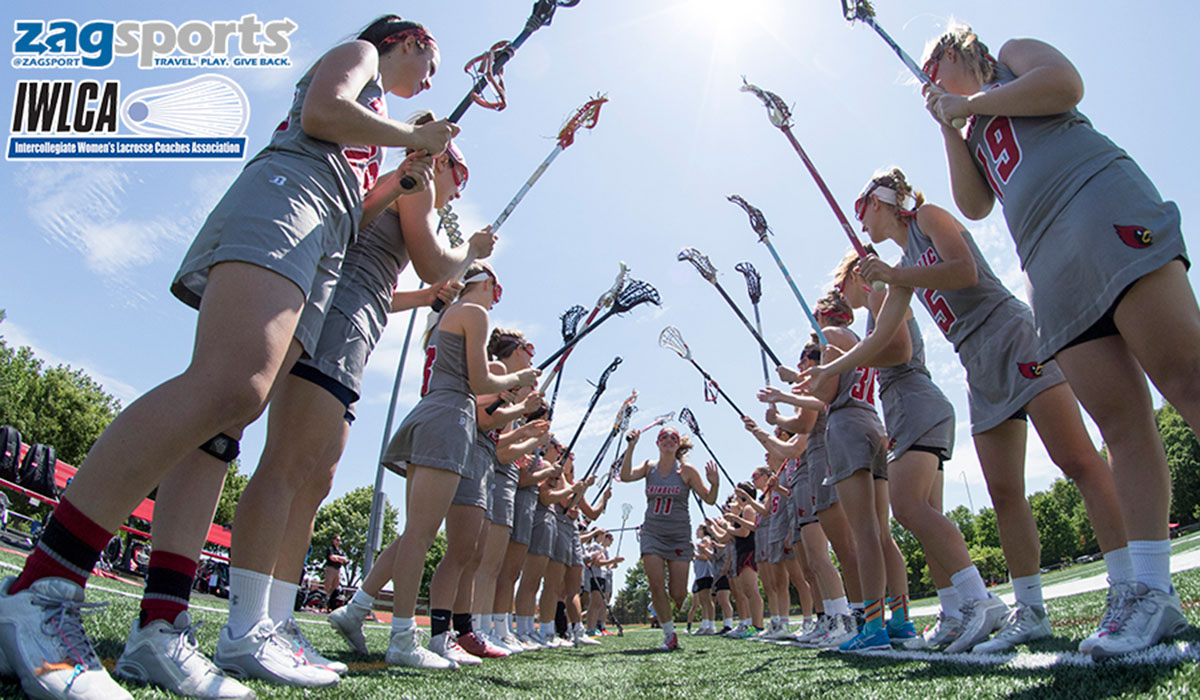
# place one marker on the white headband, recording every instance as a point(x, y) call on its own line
point(884, 193)
point(477, 277)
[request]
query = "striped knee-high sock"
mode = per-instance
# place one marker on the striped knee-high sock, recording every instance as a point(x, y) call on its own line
point(168, 587)
point(69, 548)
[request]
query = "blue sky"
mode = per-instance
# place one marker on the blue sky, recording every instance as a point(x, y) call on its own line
point(91, 248)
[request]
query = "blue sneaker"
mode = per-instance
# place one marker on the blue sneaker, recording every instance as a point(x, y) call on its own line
point(902, 632)
point(868, 641)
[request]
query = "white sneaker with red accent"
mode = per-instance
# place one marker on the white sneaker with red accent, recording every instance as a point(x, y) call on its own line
point(670, 642)
point(446, 646)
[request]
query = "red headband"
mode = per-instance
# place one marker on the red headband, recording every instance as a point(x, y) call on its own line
point(418, 32)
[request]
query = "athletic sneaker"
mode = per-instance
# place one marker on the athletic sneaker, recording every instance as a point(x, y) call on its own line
point(811, 631)
point(744, 632)
point(841, 630)
point(477, 645)
point(530, 642)
point(734, 632)
point(348, 621)
point(938, 636)
point(511, 642)
point(777, 632)
point(559, 642)
point(902, 632)
point(1117, 599)
point(42, 641)
point(1025, 624)
point(582, 639)
point(670, 642)
point(860, 618)
point(446, 646)
point(166, 655)
point(265, 655)
point(725, 630)
point(1146, 617)
point(980, 617)
point(405, 650)
point(868, 641)
point(291, 632)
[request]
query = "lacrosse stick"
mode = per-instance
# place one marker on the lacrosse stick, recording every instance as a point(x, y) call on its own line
point(488, 67)
point(758, 222)
point(863, 11)
point(601, 385)
point(615, 469)
point(672, 339)
point(781, 117)
point(709, 272)
point(689, 419)
point(754, 291)
point(635, 293)
point(626, 410)
point(585, 118)
point(626, 509)
point(605, 301)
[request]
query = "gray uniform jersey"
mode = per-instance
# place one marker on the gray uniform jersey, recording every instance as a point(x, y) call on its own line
point(1036, 164)
point(1086, 220)
point(991, 331)
point(356, 167)
point(372, 265)
point(957, 312)
point(720, 560)
point(915, 410)
point(667, 529)
point(440, 430)
point(854, 435)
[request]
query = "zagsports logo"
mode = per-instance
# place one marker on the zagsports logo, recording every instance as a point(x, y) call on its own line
point(66, 43)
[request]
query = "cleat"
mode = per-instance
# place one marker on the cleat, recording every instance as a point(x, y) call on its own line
point(902, 632)
point(842, 629)
point(290, 631)
point(1118, 597)
point(43, 643)
point(1146, 617)
point(980, 618)
point(403, 650)
point(166, 655)
point(348, 621)
point(1025, 624)
point(264, 655)
point(446, 646)
point(868, 641)
point(670, 643)
point(477, 645)
point(943, 631)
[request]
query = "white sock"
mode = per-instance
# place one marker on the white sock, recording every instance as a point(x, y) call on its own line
point(728, 622)
point(668, 628)
point(546, 629)
point(837, 606)
point(405, 626)
point(1151, 561)
point(746, 622)
point(578, 628)
point(525, 624)
point(483, 624)
point(785, 621)
point(1028, 590)
point(951, 602)
point(1120, 565)
point(249, 592)
point(282, 601)
point(857, 606)
point(362, 600)
point(505, 621)
point(969, 584)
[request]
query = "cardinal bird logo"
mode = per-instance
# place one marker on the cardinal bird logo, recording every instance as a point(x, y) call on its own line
point(1030, 370)
point(891, 444)
point(1135, 236)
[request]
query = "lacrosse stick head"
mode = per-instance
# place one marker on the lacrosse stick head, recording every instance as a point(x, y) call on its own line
point(753, 281)
point(672, 339)
point(584, 118)
point(612, 367)
point(625, 415)
point(570, 322)
point(777, 110)
point(606, 299)
point(758, 222)
point(635, 293)
point(689, 419)
point(857, 9)
point(626, 509)
point(703, 265)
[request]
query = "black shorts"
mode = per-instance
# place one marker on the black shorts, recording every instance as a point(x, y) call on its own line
point(722, 584)
point(340, 392)
point(745, 560)
point(938, 452)
point(598, 585)
point(703, 583)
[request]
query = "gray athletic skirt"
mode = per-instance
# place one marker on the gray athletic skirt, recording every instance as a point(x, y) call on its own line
point(779, 534)
point(762, 538)
point(669, 539)
point(475, 486)
point(1114, 231)
point(1003, 373)
point(802, 501)
point(563, 545)
point(439, 432)
point(501, 501)
point(524, 505)
point(916, 412)
point(341, 353)
point(854, 440)
point(576, 546)
point(545, 531)
point(298, 229)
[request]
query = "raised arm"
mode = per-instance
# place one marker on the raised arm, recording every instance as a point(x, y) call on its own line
point(630, 473)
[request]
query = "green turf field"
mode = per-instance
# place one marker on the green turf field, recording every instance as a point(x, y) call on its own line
point(712, 667)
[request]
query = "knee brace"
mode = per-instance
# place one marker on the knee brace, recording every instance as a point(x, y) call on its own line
point(222, 447)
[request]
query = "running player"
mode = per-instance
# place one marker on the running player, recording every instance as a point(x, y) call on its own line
point(265, 263)
point(666, 530)
point(993, 334)
point(1106, 264)
point(737, 524)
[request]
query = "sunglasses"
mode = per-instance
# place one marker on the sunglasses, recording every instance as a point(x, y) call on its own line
point(860, 204)
point(527, 347)
point(458, 167)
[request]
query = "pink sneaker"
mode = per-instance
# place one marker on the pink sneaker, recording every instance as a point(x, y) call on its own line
point(476, 645)
point(670, 643)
